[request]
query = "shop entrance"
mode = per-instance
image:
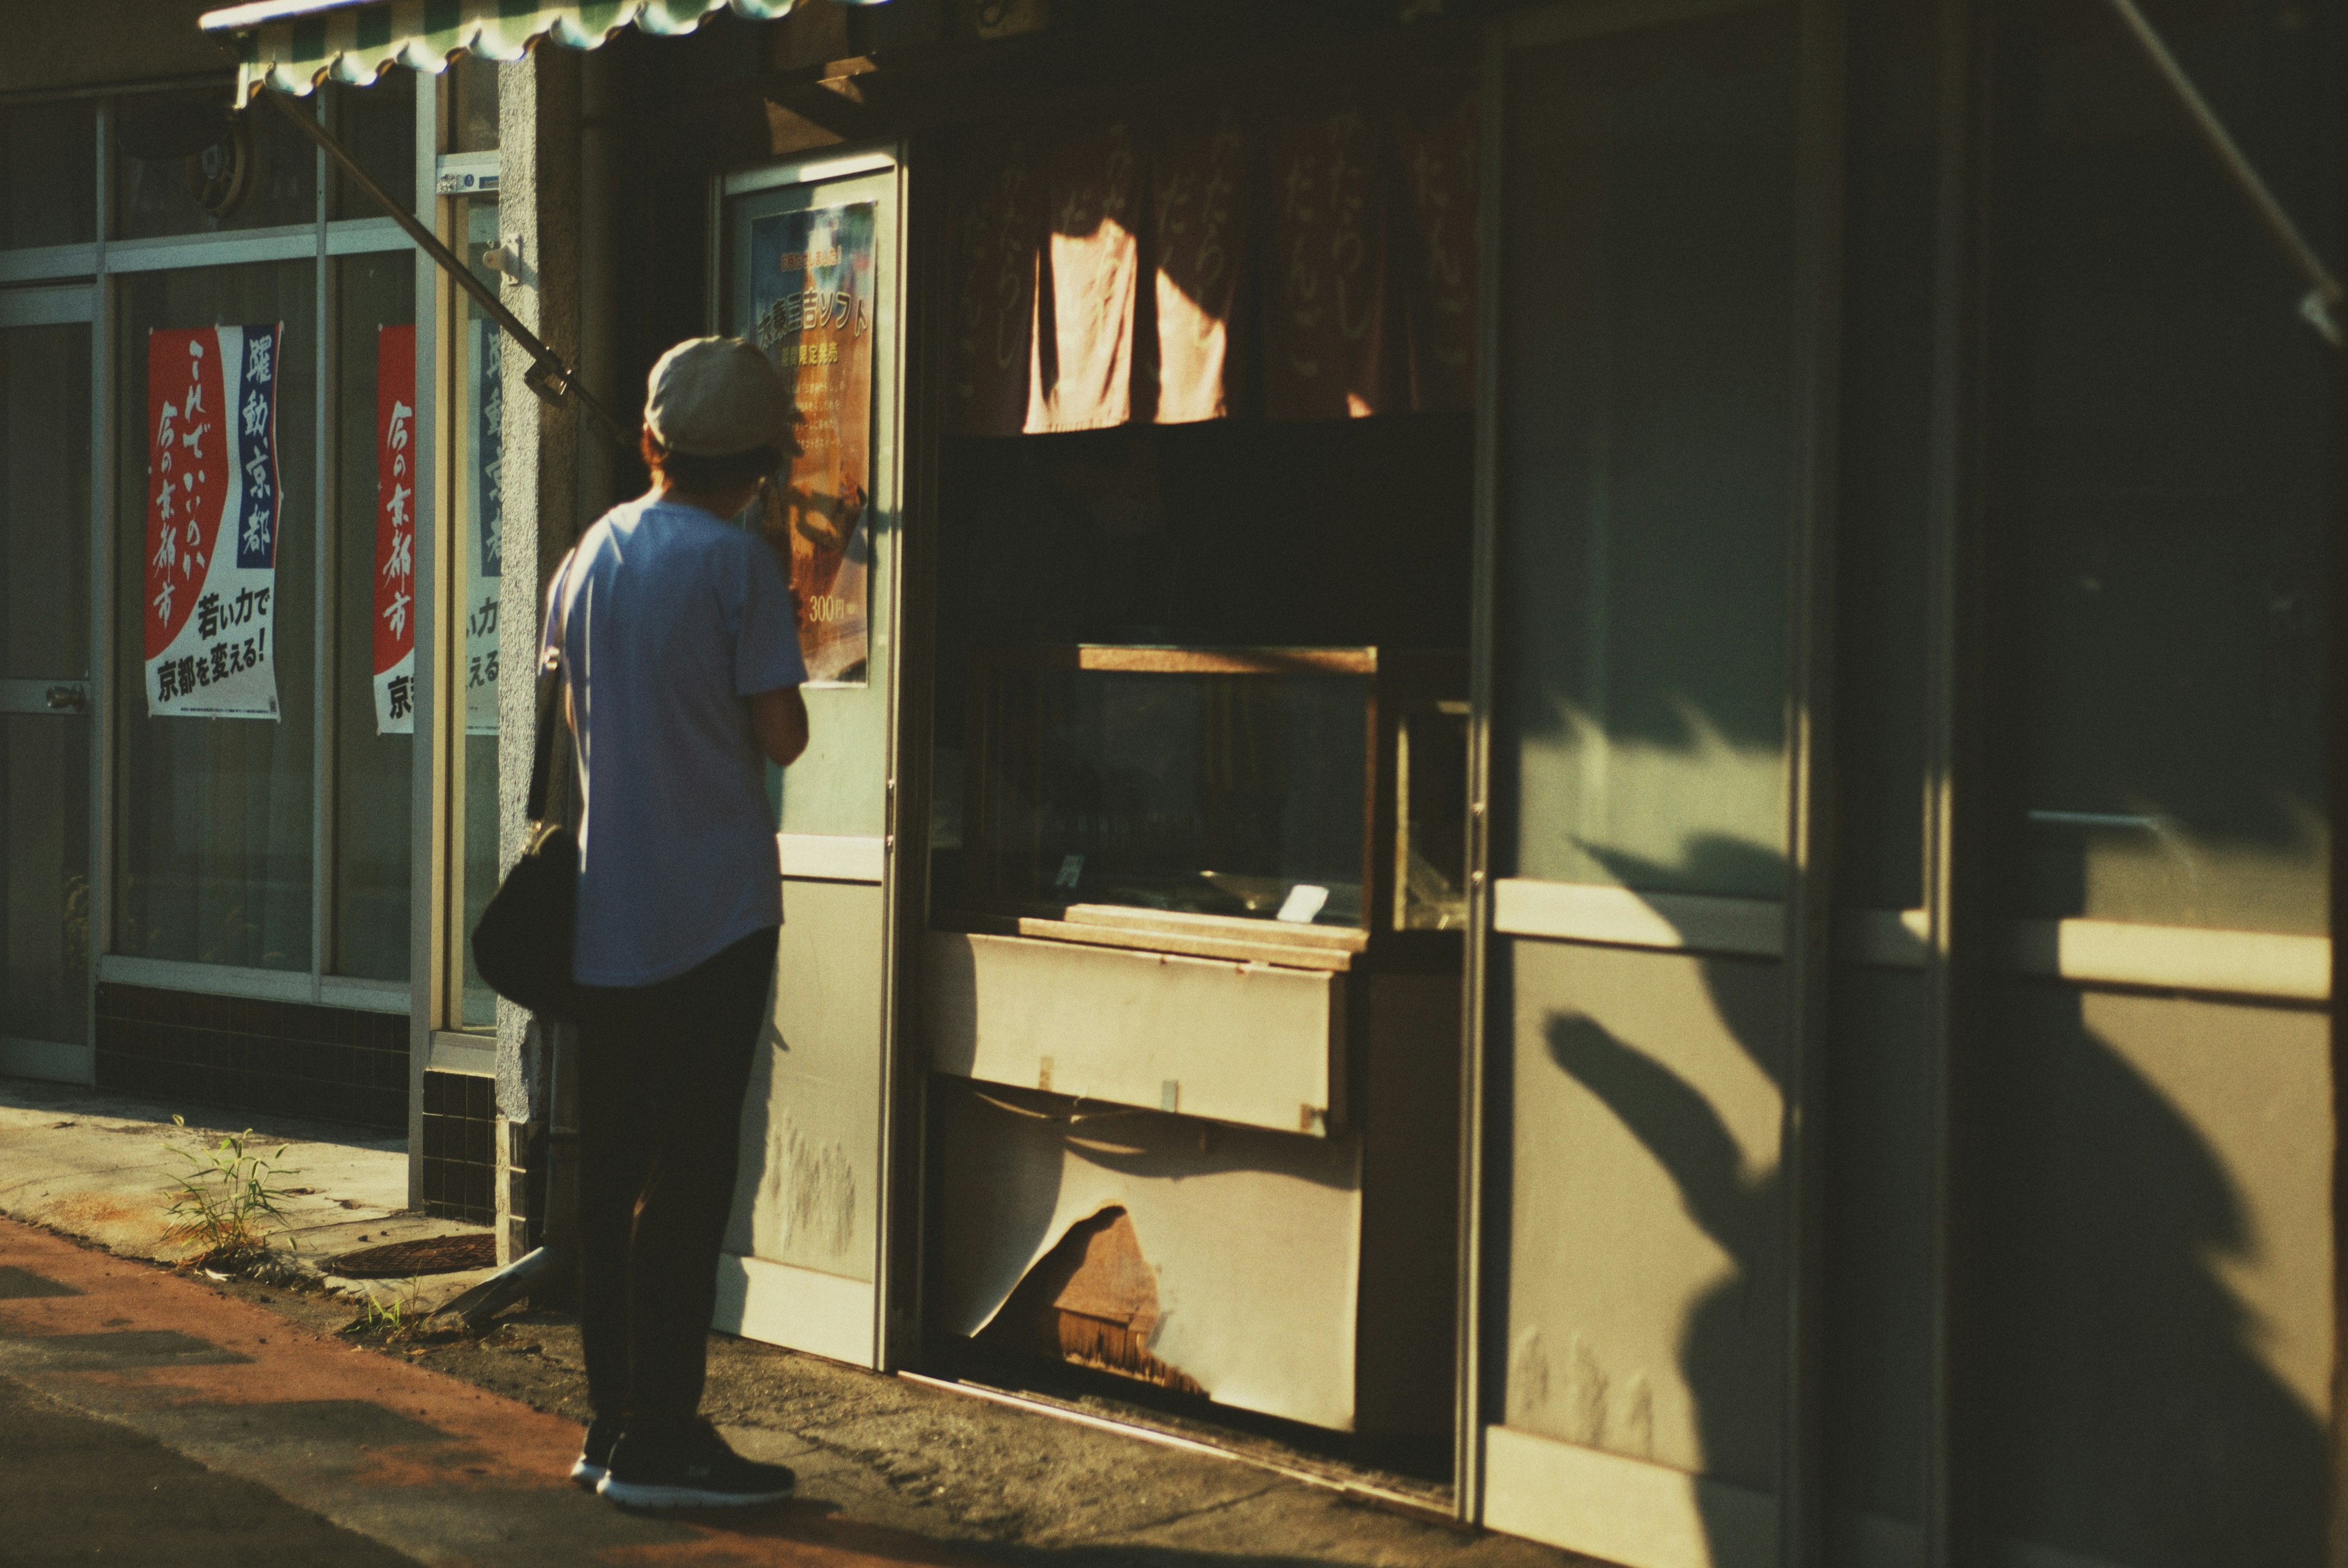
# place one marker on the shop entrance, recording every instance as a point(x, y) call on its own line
point(1189, 986)
point(47, 697)
point(810, 269)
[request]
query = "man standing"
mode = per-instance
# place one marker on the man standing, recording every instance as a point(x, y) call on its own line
point(680, 654)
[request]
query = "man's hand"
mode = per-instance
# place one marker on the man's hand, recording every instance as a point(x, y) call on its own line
point(780, 720)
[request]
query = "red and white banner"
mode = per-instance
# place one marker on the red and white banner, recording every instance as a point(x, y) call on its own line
point(213, 509)
point(394, 531)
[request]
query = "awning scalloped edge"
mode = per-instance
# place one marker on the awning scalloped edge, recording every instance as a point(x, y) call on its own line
point(358, 44)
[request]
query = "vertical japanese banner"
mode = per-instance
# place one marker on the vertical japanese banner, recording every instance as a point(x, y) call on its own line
point(394, 531)
point(811, 290)
point(1001, 228)
point(213, 509)
point(1199, 200)
point(1325, 349)
point(1438, 167)
point(1089, 287)
point(485, 562)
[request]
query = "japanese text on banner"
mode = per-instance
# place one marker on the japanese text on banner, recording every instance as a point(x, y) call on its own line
point(394, 531)
point(213, 512)
point(485, 358)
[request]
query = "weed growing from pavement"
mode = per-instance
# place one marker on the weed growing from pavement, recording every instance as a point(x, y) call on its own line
point(394, 1318)
point(222, 1204)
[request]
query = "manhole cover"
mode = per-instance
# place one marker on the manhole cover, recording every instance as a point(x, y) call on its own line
point(433, 1255)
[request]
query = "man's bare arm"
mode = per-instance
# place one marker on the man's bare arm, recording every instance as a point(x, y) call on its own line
point(781, 719)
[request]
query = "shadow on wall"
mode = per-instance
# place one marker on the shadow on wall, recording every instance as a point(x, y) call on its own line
point(2122, 1409)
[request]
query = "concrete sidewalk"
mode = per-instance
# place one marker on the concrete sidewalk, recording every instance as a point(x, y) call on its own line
point(446, 1450)
point(97, 1166)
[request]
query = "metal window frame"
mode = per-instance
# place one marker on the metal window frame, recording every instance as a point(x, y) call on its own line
point(430, 833)
point(70, 304)
point(96, 266)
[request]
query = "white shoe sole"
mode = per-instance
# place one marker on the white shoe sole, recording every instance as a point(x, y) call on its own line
point(647, 1494)
point(587, 1474)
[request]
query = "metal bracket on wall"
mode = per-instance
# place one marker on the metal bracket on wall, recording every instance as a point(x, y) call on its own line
point(2324, 295)
point(548, 376)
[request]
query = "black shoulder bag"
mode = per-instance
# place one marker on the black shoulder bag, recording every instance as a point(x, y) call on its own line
point(522, 944)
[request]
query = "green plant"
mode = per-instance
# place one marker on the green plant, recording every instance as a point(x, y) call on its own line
point(397, 1318)
point(221, 1203)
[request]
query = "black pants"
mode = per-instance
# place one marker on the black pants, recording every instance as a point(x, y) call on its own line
point(662, 1072)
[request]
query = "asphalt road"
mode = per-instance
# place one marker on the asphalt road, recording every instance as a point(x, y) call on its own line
point(81, 1490)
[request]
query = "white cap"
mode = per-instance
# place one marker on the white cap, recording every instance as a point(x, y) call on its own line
point(715, 396)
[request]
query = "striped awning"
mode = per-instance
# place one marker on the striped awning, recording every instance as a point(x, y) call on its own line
point(294, 44)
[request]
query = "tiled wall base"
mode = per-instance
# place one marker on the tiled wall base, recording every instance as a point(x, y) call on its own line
point(523, 1186)
point(241, 1053)
point(460, 1149)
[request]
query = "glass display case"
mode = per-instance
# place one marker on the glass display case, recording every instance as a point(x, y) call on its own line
point(1430, 748)
point(1290, 789)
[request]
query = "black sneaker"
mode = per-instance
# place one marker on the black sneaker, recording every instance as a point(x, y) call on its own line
point(594, 1453)
point(691, 1468)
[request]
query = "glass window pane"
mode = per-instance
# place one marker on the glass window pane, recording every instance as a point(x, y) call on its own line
point(176, 177)
point(476, 460)
point(44, 502)
point(48, 174)
point(377, 124)
point(1226, 794)
point(213, 814)
point(472, 105)
point(1648, 428)
point(2169, 441)
point(45, 876)
point(373, 769)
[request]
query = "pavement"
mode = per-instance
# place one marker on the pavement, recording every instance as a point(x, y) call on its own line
point(154, 1414)
point(100, 1167)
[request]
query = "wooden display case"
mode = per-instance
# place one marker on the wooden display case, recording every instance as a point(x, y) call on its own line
point(1278, 803)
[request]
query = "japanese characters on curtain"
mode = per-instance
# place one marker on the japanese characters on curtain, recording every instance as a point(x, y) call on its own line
point(394, 531)
point(1110, 281)
point(1200, 238)
point(1001, 227)
point(811, 297)
point(1326, 327)
point(1438, 152)
point(212, 510)
point(1088, 286)
point(485, 549)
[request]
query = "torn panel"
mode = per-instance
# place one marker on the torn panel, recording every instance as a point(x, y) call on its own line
point(1252, 1238)
point(1092, 1300)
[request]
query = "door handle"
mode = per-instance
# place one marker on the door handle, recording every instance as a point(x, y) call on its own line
point(75, 699)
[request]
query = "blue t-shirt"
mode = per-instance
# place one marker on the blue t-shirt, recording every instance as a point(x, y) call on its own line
point(669, 620)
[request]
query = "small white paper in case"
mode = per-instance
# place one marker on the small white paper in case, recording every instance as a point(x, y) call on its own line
point(1304, 901)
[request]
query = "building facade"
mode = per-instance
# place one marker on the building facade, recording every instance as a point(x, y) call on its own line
point(1582, 747)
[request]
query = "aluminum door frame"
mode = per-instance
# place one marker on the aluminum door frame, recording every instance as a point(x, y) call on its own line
point(1806, 930)
point(786, 1303)
point(77, 304)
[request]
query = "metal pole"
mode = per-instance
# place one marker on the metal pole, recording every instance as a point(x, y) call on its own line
point(2324, 291)
point(548, 376)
